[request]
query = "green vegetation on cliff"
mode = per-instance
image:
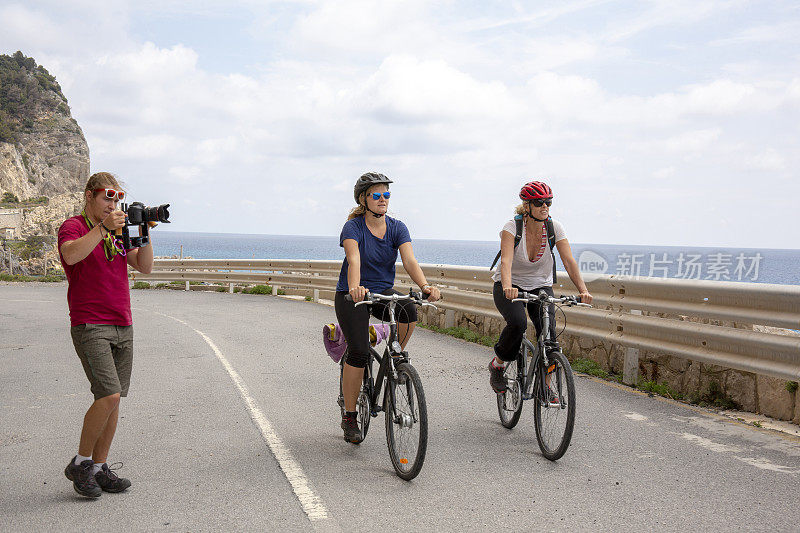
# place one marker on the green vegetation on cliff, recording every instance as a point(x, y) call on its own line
point(10, 200)
point(28, 93)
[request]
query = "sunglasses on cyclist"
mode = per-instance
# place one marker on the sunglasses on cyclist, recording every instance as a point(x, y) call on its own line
point(539, 202)
point(112, 194)
point(377, 195)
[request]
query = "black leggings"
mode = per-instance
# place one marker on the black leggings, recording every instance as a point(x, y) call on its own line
point(507, 346)
point(354, 322)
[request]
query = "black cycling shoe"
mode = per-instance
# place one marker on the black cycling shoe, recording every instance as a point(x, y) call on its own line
point(109, 481)
point(497, 379)
point(352, 433)
point(82, 479)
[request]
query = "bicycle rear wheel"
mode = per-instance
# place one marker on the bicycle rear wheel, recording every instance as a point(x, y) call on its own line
point(406, 422)
point(363, 405)
point(554, 416)
point(509, 403)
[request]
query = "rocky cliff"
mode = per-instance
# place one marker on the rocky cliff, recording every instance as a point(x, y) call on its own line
point(44, 158)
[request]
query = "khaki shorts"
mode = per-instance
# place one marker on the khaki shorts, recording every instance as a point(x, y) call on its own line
point(106, 353)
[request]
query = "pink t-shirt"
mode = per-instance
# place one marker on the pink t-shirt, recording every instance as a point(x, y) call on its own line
point(98, 290)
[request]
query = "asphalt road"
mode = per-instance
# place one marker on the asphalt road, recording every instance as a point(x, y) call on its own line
point(232, 424)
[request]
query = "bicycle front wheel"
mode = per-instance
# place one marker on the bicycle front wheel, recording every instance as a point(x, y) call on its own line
point(554, 398)
point(509, 403)
point(406, 422)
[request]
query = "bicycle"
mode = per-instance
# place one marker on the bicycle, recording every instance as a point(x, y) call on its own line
point(547, 379)
point(406, 414)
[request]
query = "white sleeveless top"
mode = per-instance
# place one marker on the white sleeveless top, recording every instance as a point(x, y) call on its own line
point(525, 273)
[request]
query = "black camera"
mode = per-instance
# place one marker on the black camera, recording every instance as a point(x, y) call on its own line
point(138, 214)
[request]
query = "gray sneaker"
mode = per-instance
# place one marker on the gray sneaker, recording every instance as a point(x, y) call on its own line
point(82, 479)
point(109, 481)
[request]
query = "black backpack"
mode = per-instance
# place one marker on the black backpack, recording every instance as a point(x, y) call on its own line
point(551, 239)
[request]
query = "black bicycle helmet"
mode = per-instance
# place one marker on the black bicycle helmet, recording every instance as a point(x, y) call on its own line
point(368, 180)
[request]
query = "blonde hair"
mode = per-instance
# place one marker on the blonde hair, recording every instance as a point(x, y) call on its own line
point(356, 212)
point(521, 209)
point(102, 180)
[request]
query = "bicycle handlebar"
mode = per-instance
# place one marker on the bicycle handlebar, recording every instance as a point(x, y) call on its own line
point(570, 301)
point(370, 298)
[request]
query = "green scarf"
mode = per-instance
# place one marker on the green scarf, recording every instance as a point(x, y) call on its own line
point(108, 241)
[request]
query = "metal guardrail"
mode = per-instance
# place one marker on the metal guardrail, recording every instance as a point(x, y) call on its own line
point(659, 315)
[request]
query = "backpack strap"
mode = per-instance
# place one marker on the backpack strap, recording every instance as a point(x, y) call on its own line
point(551, 239)
point(517, 237)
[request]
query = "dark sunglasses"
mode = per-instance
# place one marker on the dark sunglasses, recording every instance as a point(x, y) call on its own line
point(377, 195)
point(539, 202)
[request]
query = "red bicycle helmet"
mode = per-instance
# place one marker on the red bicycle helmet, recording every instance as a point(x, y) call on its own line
point(535, 189)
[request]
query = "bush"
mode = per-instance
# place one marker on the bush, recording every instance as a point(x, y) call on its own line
point(662, 389)
point(258, 289)
point(141, 285)
point(50, 278)
point(161, 285)
point(713, 396)
point(791, 386)
point(588, 366)
point(465, 334)
point(9, 198)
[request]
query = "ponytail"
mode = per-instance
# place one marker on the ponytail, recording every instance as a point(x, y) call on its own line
point(360, 209)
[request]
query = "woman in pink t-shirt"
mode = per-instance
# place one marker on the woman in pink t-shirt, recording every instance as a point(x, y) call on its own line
point(101, 327)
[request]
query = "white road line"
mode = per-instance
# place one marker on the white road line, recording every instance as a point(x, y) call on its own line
point(765, 464)
point(27, 301)
point(758, 462)
point(710, 444)
point(311, 503)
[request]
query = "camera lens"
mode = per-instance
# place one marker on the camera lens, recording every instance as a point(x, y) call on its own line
point(156, 214)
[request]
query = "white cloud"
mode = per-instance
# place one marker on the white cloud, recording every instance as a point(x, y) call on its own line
point(786, 31)
point(146, 147)
point(458, 103)
point(768, 159)
point(404, 89)
point(184, 174)
point(211, 151)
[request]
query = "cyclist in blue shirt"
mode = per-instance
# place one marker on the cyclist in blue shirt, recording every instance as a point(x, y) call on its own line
point(371, 240)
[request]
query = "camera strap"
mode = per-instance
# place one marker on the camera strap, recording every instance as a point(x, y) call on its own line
point(109, 242)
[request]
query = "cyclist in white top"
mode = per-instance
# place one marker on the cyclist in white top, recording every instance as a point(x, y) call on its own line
point(528, 267)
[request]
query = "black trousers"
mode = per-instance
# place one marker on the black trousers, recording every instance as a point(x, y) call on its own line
point(354, 322)
point(508, 345)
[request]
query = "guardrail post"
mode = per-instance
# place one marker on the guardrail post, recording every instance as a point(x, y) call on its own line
point(316, 295)
point(230, 288)
point(274, 290)
point(630, 369)
point(449, 318)
point(187, 286)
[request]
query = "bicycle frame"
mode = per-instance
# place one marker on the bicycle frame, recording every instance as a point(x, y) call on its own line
point(538, 352)
point(393, 354)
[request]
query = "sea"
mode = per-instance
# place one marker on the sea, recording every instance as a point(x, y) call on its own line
point(717, 264)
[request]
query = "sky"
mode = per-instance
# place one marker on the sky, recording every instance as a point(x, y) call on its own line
point(655, 123)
